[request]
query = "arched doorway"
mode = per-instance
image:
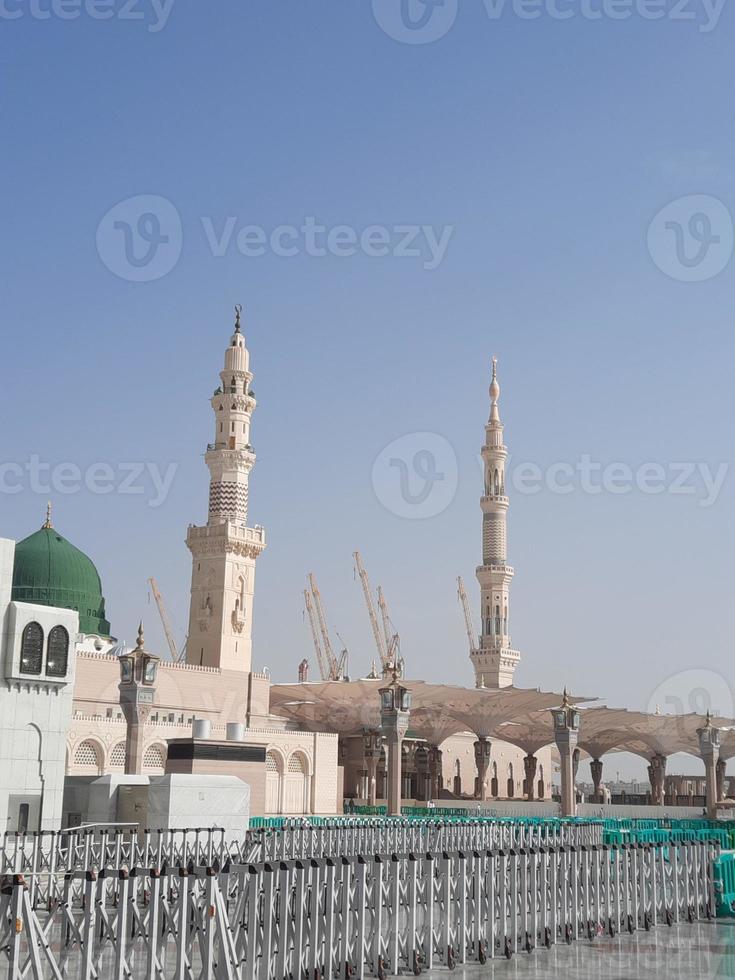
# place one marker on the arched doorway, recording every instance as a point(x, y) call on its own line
point(541, 789)
point(296, 785)
point(511, 782)
point(272, 783)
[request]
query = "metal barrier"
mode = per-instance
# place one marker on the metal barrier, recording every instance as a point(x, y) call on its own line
point(403, 837)
point(346, 916)
point(82, 850)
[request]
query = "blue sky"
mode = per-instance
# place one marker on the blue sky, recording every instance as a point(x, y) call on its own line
point(544, 149)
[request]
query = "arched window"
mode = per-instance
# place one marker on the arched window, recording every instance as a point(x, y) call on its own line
point(497, 620)
point(497, 484)
point(87, 756)
point(31, 649)
point(153, 758)
point(57, 652)
point(117, 756)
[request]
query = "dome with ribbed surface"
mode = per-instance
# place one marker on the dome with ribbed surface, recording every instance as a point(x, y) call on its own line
point(50, 571)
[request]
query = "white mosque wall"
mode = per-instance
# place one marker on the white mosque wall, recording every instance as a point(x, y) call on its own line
point(35, 713)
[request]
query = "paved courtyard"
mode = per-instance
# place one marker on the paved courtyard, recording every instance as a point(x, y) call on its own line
point(683, 952)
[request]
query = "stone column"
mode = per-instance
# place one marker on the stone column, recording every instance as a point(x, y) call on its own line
point(530, 764)
point(709, 749)
point(435, 769)
point(566, 734)
point(721, 767)
point(395, 704)
point(482, 762)
point(596, 771)
point(373, 747)
point(657, 777)
point(423, 775)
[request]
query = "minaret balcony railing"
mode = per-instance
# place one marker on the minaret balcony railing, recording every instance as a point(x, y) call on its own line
point(495, 498)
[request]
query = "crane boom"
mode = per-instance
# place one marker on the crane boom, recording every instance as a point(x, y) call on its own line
point(165, 621)
point(469, 626)
point(387, 626)
point(334, 671)
point(379, 638)
point(321, 660)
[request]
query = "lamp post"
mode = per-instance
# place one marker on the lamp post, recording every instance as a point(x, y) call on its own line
point(373, 747)
point(566, 733)
point(395, 709)
point(138, 672)
point(709, 749)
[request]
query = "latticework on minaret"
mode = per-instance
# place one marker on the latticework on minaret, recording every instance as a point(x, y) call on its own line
point(224, 551)
point(494, 660)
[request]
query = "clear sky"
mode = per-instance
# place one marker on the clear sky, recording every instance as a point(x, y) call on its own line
point(564, 172)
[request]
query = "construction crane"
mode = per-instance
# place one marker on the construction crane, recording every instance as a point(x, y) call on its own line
point(330, 667)
point(469, 626)
point(379, 638)
point(166, 622)
point(320, 658)
point(392, 639)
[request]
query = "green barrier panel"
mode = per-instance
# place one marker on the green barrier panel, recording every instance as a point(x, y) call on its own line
point(724, 875)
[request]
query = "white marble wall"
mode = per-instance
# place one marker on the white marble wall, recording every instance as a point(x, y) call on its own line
point(35, 712)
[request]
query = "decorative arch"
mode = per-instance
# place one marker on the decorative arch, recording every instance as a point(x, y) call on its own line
point(300, 758)
point(116, 757)
point(89, 754)
point(31, 649)
point(275, 766)
point(154, 757)
point(57, 652)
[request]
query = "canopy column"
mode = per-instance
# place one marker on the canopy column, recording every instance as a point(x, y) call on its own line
point(566, 734)
point(657, 777)
point(596, 771)
point(530, 765)
point(482, 761)
point(721, 767)
point(709, 749)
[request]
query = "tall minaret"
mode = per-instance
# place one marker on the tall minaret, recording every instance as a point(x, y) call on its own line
point(494, 661)
point(225, 550)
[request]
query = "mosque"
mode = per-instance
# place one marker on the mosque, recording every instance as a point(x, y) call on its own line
point(50, 590)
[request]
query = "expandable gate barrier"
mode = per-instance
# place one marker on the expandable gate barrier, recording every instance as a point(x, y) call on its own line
point(419, 837)
point(348, 916)
point(79, 850)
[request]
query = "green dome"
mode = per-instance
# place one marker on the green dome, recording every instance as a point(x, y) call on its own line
point(49, 571)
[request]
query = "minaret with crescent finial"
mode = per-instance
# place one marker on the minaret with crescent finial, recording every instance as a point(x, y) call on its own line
point(224, 551)
point(494, 660)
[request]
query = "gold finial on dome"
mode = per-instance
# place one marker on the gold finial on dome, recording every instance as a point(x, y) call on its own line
point(238, 315)
point(141, 637)
point(565, 702)
point(47, 524)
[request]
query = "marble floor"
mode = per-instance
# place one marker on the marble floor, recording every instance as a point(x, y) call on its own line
point(683, 952)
